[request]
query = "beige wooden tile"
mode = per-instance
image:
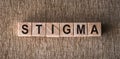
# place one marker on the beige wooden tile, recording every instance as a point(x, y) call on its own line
point(80, 29)
point(66, 29)
point(52, 30)
point(94, 29)
point(38, 29)
point(24, 29)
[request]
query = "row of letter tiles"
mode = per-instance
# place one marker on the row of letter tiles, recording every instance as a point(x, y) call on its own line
point(59, 29)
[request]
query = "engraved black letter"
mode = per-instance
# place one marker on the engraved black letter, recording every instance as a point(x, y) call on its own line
point(52, 28)
point(39, 28)
point(24, 27)
point(81, 30)
point(68, 30)
point(94, 29)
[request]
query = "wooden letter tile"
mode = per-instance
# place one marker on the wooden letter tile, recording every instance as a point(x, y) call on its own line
point(80, 29)
point(38, 29)
point(66, 29)
point(94, 29)
point(52, 30)
point(24, 29)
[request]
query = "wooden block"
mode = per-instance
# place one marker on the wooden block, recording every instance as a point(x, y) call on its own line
point(80, 29)
point(24, 29)
point(94, 29)
point(52, 30)
point(38, 29)
point(66, 29)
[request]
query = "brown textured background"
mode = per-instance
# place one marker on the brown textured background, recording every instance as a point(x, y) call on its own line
point(105, 47)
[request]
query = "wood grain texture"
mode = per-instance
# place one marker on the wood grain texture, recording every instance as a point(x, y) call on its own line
point(26, 25)
point(105, 47)
point(38, 29)
point(80, 29)
point(52, 30)
point(94, 29)
point(66, 30)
